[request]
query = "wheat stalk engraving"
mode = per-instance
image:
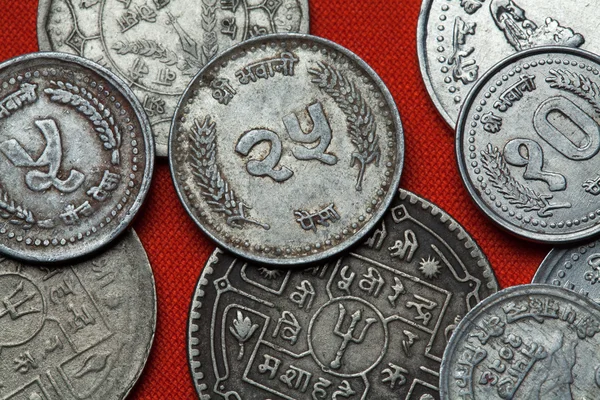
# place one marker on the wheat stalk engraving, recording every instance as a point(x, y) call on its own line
point(577, 84)
point(147, 48)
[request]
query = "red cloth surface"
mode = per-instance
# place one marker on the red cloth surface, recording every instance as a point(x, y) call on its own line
point(383, 33)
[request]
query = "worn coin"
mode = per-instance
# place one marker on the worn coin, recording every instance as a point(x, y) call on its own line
point(157, 46)
point(78, 332)
point(371, 325)
point(527, 144)
point(525, 342)
point(286, 149)
point(76, 155)
point(458, 41)
point(576, 268)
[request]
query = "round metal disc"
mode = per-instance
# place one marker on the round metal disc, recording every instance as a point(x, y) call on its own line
point(576, 268)
point(76, 154)
point(157, 46)
point(78, 332)
point(286, 149)
point(371, 325)
point(525, 342)
point(458, 41)
point(527, 144)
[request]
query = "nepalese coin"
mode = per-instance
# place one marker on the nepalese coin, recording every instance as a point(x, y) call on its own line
point(371, 325)
point(158, 46)
point(78, 332)
point(527, 144)
point(458, 41)
point(525, 342)
point(576, 268)
point(286, 149)
point(76, 155)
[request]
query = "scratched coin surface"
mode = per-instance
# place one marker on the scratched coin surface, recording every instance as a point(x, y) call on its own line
point(575, 268)
point(286, 149)
point(158, 46)
point(372, 324)
point(76, 155)
point(77, 332)
point(458, 41)
point(527, 144)
point(526, 342)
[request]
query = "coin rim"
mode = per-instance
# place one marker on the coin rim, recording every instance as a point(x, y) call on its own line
point(503, 295)
point(394, 182)
point(546, 238)
point(68, 254)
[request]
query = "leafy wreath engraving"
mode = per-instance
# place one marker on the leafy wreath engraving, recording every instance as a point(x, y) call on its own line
point(96, 112)
point(577, 84)
point(514, 192)
point(361, 123)
point(147, 48)
point(216, 190)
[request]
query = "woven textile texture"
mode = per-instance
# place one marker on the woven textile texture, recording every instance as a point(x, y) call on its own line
point(383, 33)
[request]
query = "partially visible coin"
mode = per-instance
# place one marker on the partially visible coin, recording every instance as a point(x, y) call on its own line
point(286, 149)
point(458, 41)
point(80, 332)
point(157, 46)
point(76, 155)
point(576, 268)
point(527, 144)
point(371, 325)
point(525, 342)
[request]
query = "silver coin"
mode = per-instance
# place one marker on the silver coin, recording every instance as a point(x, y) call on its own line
point(286, 149)
point(78, 332)
point(527, 144)
point(458, 41)
point(371, 325)
point(157, 46)
point(76, 154)
point(576, 268)
point(525, 342)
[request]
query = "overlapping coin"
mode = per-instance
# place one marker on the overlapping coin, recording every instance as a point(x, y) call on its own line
point(525, 342)
point(527, 144)
point(78, 332)
point(458, 41)
point(286, 149)
point(157, 46)
point(76, 155)
point(372, 324)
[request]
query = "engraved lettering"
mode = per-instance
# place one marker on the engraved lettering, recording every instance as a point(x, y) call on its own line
point(372, 282)
point(138, 70)
point(296, 378)
point(270, 366)
point(346, 280)
point(154, 106)
point(223, 92)
point(407, 343)
point(344, 390)
point(81, 317)
point(405, 249)
point(291, 327)
point(266, 166)
point(229, 27)
point(304, 296)
point(319, 391)
point(395, 376)
point(398, 289)
point(310, 221)
point(17, 100)
point(24, 363)
point(284, 64)
point(378, 237)
point(424, 304)
point(165, 77)
point(515, 92)
point(110, 182)
point(72, 215)
point(491, 122)
point(14, 303)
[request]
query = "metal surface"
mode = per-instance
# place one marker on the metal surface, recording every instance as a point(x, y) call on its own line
point(525, 342)
point(527, 144)
point(370, 325)
point(458, 41)
point(157, 46)
point(76, 155)
point(576, 268)
point(286, 149)
point(79, 332)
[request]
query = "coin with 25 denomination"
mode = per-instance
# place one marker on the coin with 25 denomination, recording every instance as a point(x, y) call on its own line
point(527, 144)
point(76, 155)
point(286, 149)
point(157, 46)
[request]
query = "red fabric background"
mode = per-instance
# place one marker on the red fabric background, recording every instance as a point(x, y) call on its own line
point(383, 33)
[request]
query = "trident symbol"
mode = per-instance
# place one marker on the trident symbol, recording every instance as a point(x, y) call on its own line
point(349, 335)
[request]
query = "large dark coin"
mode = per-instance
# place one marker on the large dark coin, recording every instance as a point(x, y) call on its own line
point(370, 325)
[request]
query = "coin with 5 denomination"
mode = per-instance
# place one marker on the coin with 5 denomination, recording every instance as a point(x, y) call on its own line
point(527, 144)
point(286, 149)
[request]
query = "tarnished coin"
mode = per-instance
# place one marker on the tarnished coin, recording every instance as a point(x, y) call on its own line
point(286, 149)
point(370, 325)
point(458, 41)
point(525, 342)
point(576, 268)
point(157, 46)
point(527, 144)
point(76, 155)
point(79, 332)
